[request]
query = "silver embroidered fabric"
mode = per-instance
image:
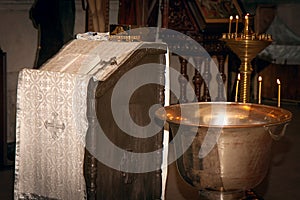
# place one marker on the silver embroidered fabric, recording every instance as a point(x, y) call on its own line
point(50, 135)
point(93, 57)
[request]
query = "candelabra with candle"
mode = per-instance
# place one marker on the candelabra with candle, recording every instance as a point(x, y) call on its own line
point(246, 45)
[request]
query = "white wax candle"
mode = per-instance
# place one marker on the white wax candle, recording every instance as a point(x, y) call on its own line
point(246, 30)
point(259, 89)
point(237, 87)
point(279, 88)
point(230, 21)
point(237, 24)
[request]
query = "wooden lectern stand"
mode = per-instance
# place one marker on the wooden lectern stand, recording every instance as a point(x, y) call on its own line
point(104, 182)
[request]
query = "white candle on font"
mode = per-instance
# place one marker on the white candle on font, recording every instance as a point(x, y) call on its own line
point(237, 24)
point(237, 87)
point(230, 21)
point(279, 88)
point(259, 89)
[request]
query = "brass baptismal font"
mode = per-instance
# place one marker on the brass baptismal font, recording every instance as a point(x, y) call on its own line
point(224, 148)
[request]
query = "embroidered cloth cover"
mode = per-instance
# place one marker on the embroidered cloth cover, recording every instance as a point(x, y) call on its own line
point(50, 135)
point(51, 118)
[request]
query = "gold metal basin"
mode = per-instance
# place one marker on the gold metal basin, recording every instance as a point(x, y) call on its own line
point(224, 147)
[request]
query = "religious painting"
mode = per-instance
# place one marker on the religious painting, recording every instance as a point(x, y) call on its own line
point(218, 11)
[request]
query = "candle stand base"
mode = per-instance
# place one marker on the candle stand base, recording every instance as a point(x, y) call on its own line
point(246, 49)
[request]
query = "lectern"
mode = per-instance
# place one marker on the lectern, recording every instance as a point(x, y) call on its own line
point(75, 92)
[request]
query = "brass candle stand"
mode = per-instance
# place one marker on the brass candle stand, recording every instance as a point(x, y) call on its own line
point(246, 46)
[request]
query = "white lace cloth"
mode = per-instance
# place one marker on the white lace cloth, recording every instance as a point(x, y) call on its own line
point(50, 135)
point(93, 36)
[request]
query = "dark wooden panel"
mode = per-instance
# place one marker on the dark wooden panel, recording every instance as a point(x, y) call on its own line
point(289, 76)
point(112, 183)
point(3, 119)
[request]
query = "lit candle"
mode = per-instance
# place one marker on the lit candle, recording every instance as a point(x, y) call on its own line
point(279, 88)
point(259, 89)
point(246, 30)
point(237, 24)
point(237, 87)
point(230, 20)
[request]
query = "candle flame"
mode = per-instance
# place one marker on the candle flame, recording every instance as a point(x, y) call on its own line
point(278, 81)
point(231, 17)
point(259, 78)
point(236, 17)
point(239, 76)
point(246, 17)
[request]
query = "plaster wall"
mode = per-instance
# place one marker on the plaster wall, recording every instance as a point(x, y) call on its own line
point(18, 38)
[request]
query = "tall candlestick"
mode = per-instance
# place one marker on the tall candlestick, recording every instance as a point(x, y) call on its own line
point(237, 87)
point(237, 24)
point(246, 29)
point(230, 21)
point(279, 88)
point(259, 89)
